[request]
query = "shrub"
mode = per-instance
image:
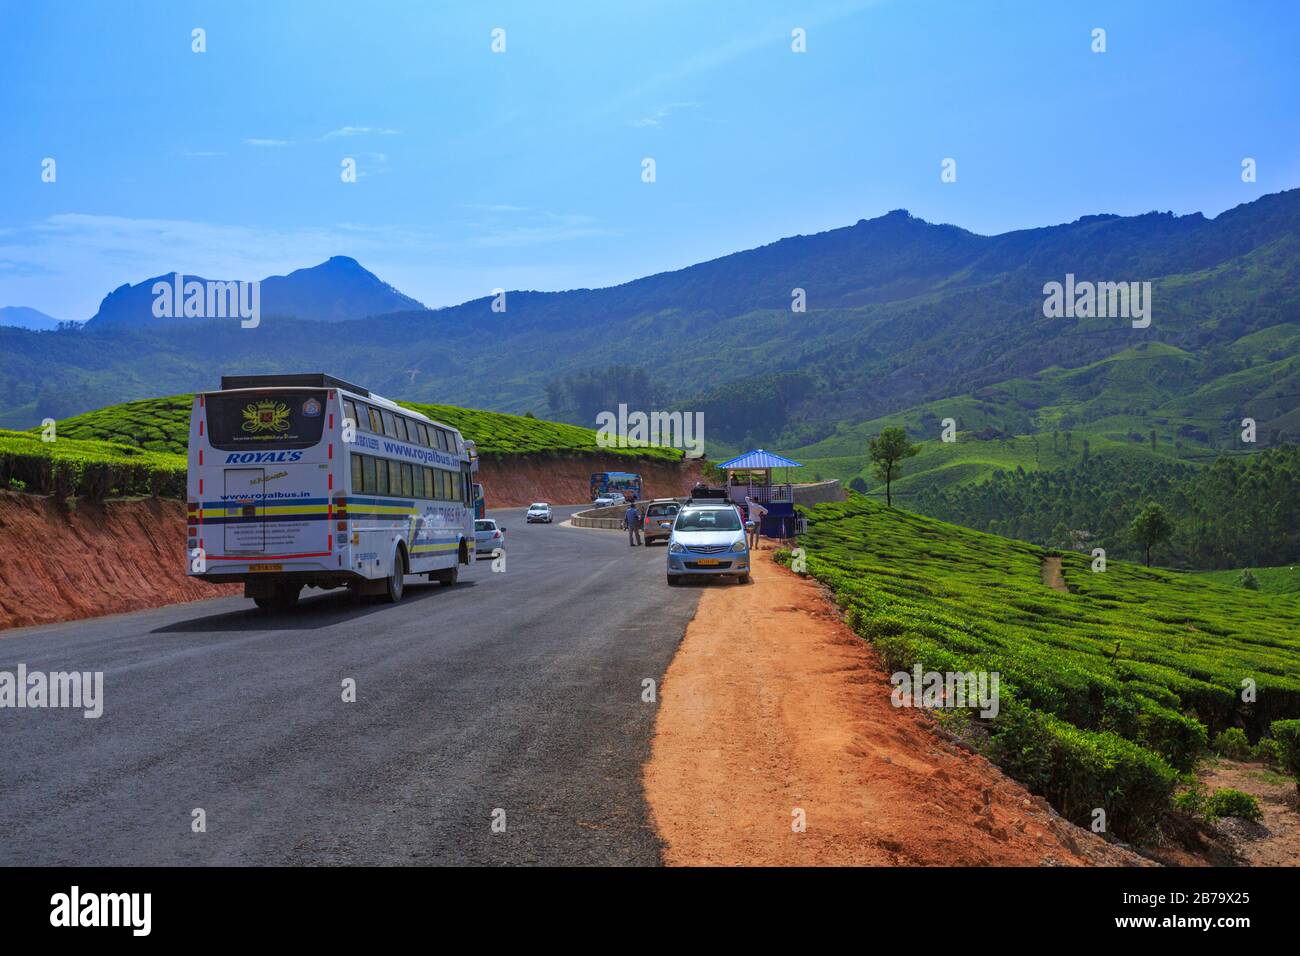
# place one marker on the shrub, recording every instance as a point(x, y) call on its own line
point(1287, 735)
point(1247, 579)
point(1268, 750)
point(1232, 743)
point(1079, 771)
point(1193, 802)
point(1233, 803)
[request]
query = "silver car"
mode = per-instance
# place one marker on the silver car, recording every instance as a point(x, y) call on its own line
point(708, 540)
point(658, 525)
point(539, 511)
point(488, 536)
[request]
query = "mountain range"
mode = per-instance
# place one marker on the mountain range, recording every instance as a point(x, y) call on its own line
point(906, 321)
point(21, 317)
point(337, 290)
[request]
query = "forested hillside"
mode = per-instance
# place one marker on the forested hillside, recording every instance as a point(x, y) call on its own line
point(903, 317)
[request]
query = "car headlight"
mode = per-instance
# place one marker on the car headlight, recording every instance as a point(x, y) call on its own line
point(738, 544)
point(676, 548)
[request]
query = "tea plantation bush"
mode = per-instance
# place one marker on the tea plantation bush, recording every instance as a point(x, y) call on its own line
point(163, 424)
point(88, 469)
point(1233, 803)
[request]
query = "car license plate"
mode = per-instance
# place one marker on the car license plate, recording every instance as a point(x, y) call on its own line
point(266, 567)
point(708, 561)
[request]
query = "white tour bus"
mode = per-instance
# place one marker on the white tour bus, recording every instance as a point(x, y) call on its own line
point(284, 495)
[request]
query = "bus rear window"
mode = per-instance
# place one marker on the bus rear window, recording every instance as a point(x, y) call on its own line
point(279, 419)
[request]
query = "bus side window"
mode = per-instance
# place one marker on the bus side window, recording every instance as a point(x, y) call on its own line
point(390, 424)
point(442, 439)
point(381, 476)
point(350, 411)
point(358, 474)
point(376, 425)
point(426, 475)
point(408, 482)
point(401, 428)
point(368, 473)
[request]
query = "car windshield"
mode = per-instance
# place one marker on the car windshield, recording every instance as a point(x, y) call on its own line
point(539, 507)
point(485, 525)
point(711, 519)
point(662, 510)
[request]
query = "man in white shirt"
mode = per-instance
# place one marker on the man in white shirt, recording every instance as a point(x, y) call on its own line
point(754, 512)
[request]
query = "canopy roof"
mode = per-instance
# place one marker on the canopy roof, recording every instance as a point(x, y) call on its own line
point(756, 460)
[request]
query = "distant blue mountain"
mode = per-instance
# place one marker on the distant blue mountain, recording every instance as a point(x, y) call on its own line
point(334, 291)
point(20, 316)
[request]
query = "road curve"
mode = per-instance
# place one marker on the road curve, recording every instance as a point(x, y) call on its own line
point(519, 691)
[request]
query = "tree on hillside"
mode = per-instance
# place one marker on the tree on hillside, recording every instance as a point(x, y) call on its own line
point(887, 452)
point(1151, 527)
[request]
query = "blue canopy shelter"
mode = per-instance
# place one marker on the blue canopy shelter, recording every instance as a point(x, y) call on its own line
point(750, 476)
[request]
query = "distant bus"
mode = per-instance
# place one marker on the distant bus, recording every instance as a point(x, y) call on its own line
point(615, 482)
point(309, 481)
point(480, 503)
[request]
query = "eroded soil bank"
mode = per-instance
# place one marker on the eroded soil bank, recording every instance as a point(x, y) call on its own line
point(60, 560)
point(517, 483)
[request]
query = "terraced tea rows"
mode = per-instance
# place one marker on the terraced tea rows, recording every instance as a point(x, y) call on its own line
point(1108, 690)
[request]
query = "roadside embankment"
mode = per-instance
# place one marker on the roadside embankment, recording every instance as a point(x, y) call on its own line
point(64, 559)
point(774, 714)
point(518, 481)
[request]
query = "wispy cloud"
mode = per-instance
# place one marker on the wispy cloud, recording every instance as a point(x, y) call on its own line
point(359, 131)
point(657, 117)
point(268, 142)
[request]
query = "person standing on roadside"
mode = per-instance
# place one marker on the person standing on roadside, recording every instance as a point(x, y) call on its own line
point(632, 521)
point(755, 513)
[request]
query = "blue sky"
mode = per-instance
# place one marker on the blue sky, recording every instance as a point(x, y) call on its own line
point(523, 169)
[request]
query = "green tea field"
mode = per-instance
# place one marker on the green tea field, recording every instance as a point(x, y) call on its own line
point(139, 447)
point(1110, 688)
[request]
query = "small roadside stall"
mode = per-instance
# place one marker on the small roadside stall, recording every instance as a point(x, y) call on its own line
point(750, 476)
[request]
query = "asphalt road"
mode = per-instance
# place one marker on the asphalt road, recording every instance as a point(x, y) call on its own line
point(519, 691)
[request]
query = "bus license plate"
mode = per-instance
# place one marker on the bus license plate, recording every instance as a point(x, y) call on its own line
point(266, 567)
point(708, 561)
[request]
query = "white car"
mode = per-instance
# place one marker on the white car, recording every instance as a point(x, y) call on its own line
point(607, 501)
point(539, 511)
point(488, 536)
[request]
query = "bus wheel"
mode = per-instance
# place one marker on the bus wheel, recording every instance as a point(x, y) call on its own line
point(396, 580)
